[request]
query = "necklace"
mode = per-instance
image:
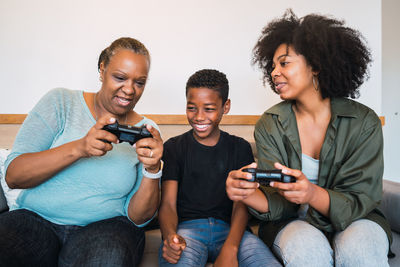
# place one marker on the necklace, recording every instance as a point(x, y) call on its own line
point(95, 109)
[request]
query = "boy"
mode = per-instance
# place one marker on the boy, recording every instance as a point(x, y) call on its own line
point(199, 224)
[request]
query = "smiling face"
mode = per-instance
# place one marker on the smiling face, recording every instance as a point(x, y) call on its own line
point(204, 110)
point(124, 79)
point(291, 74)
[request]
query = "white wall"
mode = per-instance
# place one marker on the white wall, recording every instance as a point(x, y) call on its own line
point(391, 87)
point(51, 43)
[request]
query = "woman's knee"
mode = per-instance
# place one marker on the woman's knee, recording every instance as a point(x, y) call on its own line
point(27, 240)
point(112, 242)
point(362, 243)
point(301, 244)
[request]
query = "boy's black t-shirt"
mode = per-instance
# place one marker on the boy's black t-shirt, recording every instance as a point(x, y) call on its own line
point(201, 172)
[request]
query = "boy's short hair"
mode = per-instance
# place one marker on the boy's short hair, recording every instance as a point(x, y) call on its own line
point(211, 79)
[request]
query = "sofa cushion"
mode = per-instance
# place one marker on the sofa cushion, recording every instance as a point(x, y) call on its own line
point(396, 250)
point(390, 204)
point(9, 194)
point(3, 202)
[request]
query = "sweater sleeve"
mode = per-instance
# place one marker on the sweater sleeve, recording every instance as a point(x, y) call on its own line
point(40, 127)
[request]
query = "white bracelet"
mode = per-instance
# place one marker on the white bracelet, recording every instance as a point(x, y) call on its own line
point(152, 175)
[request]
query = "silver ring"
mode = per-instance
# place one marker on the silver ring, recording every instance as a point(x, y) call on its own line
point(151, 153)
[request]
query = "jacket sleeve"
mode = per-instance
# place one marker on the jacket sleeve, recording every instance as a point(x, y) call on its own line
point(356, 190)
point(271, 149)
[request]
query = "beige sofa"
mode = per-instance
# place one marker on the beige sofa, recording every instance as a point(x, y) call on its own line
point(390, 204)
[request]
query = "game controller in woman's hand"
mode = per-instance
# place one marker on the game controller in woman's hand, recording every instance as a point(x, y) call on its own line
point(127, 133)
point(264, 177)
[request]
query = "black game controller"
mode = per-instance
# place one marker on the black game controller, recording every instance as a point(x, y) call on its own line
point(127, 133)
point(264, 177)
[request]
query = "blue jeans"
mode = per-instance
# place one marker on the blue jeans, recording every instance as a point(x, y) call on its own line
point(204, 239)
point(26, 239)
point(362, 243)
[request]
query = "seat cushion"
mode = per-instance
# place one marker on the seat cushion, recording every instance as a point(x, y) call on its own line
point(396, 250)
point(390, 204)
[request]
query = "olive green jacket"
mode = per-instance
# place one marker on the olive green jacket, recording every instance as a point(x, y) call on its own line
point(350, 166)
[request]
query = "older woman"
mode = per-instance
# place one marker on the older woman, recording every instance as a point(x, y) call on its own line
point(87, 195)
point(332, 146)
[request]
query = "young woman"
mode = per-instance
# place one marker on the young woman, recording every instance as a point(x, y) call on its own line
point(332, 145)
point(87, 195)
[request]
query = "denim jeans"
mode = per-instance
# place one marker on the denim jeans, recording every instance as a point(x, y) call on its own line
point(26, 239)
point(362, 243)
point(204, 239)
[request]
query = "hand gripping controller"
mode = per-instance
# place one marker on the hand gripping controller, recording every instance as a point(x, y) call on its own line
point(264, 177)
point(127, 133)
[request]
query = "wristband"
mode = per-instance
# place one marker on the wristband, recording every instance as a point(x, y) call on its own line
point(150, 175)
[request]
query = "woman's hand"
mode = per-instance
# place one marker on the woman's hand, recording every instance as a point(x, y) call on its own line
point(300, 192)
point(303, 191)
point(172, 249)
point(97, 141)
point(150, 150)
point(144, 203)
point(237, 188)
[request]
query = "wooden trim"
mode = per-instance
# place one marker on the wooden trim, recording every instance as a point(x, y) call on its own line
point(12, 118)
point(160, 119)
point(167, 119)
point(226, 119)
point(163, 119)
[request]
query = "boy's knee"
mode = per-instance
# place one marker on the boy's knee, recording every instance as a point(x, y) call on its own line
point(251, 246)
point(253, 251)
point(194, 254)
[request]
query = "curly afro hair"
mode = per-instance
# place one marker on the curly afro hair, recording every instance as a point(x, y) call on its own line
point(338, 53)
point(211, 79)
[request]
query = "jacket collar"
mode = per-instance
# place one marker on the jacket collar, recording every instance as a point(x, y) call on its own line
point(340, 107)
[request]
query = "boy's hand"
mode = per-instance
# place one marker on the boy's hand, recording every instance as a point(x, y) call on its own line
point(227, 257)
point(237, 188)
point(174, 244)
